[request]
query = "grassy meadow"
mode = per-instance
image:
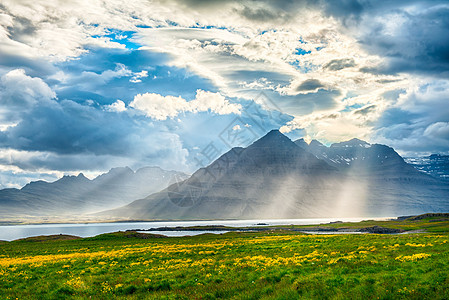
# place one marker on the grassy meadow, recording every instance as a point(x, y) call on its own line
point(276, 264)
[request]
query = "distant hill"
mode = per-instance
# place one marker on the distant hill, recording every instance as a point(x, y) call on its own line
point(436, 165)
point(277, 178)
point(73, 195)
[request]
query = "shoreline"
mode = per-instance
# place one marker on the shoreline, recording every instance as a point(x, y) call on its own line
point(118, 221)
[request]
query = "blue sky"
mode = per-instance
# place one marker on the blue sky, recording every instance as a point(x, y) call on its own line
point(84, 88)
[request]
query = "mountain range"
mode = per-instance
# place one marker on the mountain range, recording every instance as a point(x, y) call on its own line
point(278, 178)
point(436, 165)
point(75, 195)
point(272, 178)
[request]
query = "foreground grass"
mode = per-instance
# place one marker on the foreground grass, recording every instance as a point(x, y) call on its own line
point(268, 265)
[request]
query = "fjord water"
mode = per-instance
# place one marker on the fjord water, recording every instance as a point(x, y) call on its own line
point(14, 232)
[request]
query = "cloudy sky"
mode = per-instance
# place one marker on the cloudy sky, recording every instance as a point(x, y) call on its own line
point(89, 85)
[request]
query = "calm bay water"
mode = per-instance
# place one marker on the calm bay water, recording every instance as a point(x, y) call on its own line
point(13, 232)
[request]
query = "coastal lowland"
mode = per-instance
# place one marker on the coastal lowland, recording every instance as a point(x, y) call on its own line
point(405, 259)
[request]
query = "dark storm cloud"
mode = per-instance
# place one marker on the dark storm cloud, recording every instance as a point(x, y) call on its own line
point(344, 9)
point(421, 125)
point(279, 13)
point(75, 134)
point(64, 163)
point(397, 115)
point(259, 14)
point(303, 104)
point(62, 134)
point(258, 11)
point(309, 85)
point(70, 128)
point(418, 44)
point(423, 45)
point(365, 110)
point(339, 64)
point(23, 29)
point(34, 67)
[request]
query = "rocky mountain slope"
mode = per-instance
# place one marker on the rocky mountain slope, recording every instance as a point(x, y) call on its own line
point(436, 165)
point(358, 156)
point(276, 178)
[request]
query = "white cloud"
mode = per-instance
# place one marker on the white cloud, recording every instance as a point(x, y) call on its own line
point(161, 107)
point(242, 47)
point(236, 128)
point(234, 47)
point(17, 89)
point(214, 102)
point(138, 75)
point(417, 123)
point(438, 130)
point(120, 71)
point(286, 59)
point(18, 94)
point(117, 106)
point(331, 127)
point(161, 148)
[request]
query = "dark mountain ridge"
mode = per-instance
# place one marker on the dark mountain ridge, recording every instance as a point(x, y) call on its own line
point(360, 158)
point(436, 165)
point(276, 178)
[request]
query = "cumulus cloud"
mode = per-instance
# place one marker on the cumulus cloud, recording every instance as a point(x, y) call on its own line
point(137, 77)
point(51, 136)
point(18, 94)
point(161, 107)
point(306, 41)
point(331, 70)
point(418, 121)
point(18, 89)
point(117, 106)
point(71, 137)
point(438, 130)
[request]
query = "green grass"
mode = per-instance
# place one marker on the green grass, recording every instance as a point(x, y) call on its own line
point(251, 265)
point(436, 224)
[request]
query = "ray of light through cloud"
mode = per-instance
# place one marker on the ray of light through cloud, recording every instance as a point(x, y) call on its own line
point(154, 83)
